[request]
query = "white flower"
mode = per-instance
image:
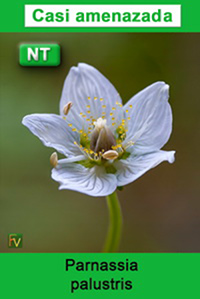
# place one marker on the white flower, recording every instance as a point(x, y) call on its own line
point(105, 143)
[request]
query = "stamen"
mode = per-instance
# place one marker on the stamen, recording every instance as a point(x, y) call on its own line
point(54, 159)
point(110, 155)
point(70, 125)
point(67, 108)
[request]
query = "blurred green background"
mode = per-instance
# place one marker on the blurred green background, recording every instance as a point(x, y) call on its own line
point(161, 209)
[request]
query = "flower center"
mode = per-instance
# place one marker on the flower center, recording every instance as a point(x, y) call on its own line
point(102, 138)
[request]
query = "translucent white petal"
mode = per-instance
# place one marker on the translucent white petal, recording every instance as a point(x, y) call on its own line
point(54, 132)
point(82, 82)
point(132, 168)
point(151, 118)
point(92, 181)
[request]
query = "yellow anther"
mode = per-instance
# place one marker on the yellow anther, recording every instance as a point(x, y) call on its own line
point(81, 131)
point(89, 98)
point(91, 152)
point(130, 106)
point(74, 129)
point(81, 113)
point(103, 113)
point(88, 111)
point(101, 99)
point(123, 120)
point(129, 118)
point(113, 124)
point(95, 98)
point(88, 106)
point(103, 106)
point(127, 111)
point(70, 125)
point(64, 117)
point(117, 103)
point(114, 147)
point(111, 113)
point(85, 134)
point(75, 142)
point(103, 117)
point(120, 105)
point(96, 154)
point(113, 108)
point(88, 119)
point(84, 115)
point(113, 118)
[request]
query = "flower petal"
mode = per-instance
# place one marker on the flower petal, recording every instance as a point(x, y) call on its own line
point(92, 181)
point(83, 82)
point(151, 118)
point(54, 132)
point(132, 168)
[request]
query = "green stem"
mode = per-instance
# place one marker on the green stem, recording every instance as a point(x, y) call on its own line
point(115, 227)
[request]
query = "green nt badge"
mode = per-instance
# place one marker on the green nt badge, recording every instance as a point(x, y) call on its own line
point(39, 54)
point(15, 240)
